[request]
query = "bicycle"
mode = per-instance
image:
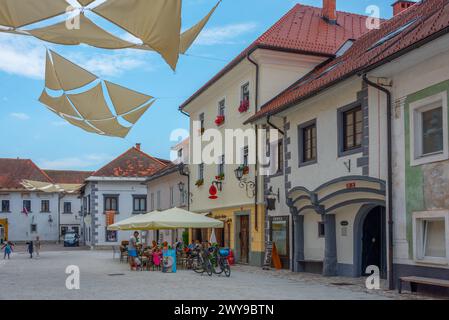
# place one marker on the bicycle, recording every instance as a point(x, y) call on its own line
point(219, 261)
point(201, 262)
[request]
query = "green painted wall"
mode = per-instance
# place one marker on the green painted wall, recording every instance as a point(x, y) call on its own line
point(414, 177)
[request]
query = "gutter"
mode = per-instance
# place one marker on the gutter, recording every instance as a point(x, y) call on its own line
point(390, 177)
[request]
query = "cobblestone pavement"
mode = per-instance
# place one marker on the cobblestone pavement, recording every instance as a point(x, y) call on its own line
point(102, 278)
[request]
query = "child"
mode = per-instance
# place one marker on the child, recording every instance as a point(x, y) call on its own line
point(8, 249)
point(30, 248)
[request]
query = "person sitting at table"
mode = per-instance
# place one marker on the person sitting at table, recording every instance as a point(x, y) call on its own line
point(192, 245)
point(132, 250)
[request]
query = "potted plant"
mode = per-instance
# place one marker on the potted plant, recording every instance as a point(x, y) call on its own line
point(219, 120)
point(244, 106)
point(199, 182)
point(245, 170)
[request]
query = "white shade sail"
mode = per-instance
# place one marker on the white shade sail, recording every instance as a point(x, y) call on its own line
point(134, 116)
point(91, 104)
point(88, 109)
point(157, 23)
point(19, 13)
point(111, 127)
point(171, 219)
point(60, 105)
point(51, 79)
point(87, 33)
point(85, 2)
point(70, 75)
point(50, 187)
point(125, 100)
point(189, 36)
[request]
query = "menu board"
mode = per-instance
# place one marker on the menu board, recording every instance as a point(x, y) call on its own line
point(268, 255)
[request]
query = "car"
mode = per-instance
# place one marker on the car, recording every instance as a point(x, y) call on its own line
point(71, 239)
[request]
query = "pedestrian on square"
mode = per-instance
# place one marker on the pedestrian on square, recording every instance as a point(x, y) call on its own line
point(30, 248)
point(132, 250)
point(7, 247)
point(37, 246)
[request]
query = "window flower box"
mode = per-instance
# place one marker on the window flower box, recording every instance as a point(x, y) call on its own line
point(219, 120)
point(199, 182)
point(244, 106)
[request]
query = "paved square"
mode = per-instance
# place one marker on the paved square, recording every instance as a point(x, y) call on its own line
point(105, 278)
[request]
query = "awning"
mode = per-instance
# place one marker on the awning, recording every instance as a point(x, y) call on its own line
point(171, 219)
point(50, 187)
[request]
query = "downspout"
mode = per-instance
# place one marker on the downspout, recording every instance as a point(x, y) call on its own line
point(187, 175)
point(256, 182)
point(390, 176)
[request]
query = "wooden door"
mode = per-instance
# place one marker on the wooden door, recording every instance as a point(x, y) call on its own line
point(244, 239)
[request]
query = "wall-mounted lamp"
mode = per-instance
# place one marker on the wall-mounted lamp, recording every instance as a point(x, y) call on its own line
point(244, 183)
point(50, 219)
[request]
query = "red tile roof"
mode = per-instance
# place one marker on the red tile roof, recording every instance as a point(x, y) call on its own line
point(133, 163)
point(428, 20)
point(13, 171)
point(68, 176)
point(301, 30)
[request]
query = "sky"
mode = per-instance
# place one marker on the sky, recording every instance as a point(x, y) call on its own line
point(29, 131)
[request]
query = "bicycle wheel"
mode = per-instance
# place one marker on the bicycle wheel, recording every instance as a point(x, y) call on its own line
point(197, 266)
point(208, 267)
point(227, 270)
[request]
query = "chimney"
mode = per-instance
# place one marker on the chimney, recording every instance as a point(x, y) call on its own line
point(401, 5)
point(330, 11)
point(138, 145)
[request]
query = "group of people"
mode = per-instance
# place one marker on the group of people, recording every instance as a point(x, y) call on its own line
point(31, 247)
point(136, 249)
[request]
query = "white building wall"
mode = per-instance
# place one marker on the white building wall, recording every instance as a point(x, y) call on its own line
point(19, 224)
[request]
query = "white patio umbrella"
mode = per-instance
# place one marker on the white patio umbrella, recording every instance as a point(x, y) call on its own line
point(171, 219)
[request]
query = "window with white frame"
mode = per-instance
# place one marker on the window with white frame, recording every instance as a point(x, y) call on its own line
point(245, 92)
point(222, 107)
point(152, 201)
point(201, 171)
point(431, 236)
point(172, 197)
point(429, 130)
point(221, 165)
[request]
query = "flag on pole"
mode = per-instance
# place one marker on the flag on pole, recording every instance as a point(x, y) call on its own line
point(25, 210)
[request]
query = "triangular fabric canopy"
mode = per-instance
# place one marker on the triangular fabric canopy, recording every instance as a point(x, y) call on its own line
point(85, 3)
point(80, 123)
point(111, 128)
point(88, 109)
point(189, 36)
point(51, 79)
point(19, 13)
point(60, 104)
point(70, 75)
point(91, 104)
point(87, 33)
point(157, 23)
point(134, 116)
point(125, 100)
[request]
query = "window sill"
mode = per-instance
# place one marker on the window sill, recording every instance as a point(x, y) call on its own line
point(433, 261)
point(43, 211)
point(349, 152)
point(430, 158)
point(308, 163)
point(138, 212)
point(5, 211)
point(67, 213)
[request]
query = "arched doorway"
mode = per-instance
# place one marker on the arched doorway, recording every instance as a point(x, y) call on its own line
point(370, 240)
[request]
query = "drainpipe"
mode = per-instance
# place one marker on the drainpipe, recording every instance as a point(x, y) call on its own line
point(256, 182)
point(390, 176)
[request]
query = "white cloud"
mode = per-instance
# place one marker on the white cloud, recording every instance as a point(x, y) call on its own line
point(20, 116)
point(25, 56)
point(74, 163)
point(21, 55)
point(225, 34)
